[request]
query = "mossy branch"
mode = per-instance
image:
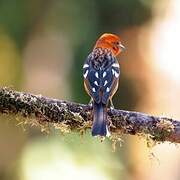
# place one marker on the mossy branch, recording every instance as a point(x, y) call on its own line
point(68, 116)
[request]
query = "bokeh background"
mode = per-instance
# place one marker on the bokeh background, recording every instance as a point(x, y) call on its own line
point(43, 44)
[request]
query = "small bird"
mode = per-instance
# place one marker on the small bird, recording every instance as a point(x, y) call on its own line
point(101, 73)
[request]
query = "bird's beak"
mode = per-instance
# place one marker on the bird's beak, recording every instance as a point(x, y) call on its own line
point(122, 47)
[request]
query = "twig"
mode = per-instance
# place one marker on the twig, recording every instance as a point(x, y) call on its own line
point(73, 116)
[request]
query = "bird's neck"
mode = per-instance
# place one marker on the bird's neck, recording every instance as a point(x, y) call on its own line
point(105, 45)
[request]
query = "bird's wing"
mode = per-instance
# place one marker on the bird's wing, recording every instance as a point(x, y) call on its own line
point(91, 79)
point(110, 78)
point(101, 79)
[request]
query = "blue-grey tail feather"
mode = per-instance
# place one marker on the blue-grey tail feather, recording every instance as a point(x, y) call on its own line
point(99, 119)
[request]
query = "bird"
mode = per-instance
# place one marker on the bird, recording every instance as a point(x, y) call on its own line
point(101, 72)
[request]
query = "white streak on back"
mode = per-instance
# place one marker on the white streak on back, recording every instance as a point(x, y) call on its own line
point(85, 66)
point(96, 74)
point(96, 83)
point(107, 89)
point(86, 73)
point(105, 82)
point(104, 74)
point(116, 74)
point(115, 65)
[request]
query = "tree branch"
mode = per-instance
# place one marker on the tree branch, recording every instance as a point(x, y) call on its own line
point(68, 116)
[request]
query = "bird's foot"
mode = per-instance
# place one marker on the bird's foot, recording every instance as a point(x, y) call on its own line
point(90, 102)
point(111, 108)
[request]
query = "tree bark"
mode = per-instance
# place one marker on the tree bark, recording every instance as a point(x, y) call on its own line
point(70, 116)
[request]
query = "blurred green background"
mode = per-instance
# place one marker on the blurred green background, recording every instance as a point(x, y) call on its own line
point(43, 44)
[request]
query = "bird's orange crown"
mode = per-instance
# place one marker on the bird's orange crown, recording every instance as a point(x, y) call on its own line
point(111, 42)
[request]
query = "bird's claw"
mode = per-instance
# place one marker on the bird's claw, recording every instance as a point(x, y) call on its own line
point(111, 108)
point(90, 102)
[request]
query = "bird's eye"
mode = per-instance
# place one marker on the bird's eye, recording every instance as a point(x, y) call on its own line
point(117, 43)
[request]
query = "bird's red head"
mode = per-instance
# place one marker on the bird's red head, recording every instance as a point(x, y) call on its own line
point(111, 42)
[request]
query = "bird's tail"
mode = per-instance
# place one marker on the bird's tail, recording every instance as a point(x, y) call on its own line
point(99, 120)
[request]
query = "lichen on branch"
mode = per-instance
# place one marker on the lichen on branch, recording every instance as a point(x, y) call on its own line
point(70, 116)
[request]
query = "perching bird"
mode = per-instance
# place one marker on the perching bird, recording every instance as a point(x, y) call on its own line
point(101, 73)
